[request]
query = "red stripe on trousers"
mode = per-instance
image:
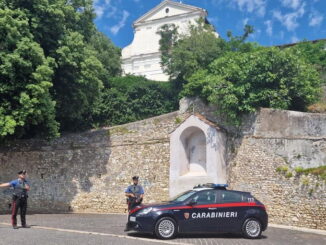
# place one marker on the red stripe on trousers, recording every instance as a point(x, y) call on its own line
point(13, 212)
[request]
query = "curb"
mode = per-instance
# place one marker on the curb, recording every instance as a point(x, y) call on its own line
point(295, 228)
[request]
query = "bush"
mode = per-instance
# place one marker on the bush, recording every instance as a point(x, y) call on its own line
point(132, 98)
point(239, 83)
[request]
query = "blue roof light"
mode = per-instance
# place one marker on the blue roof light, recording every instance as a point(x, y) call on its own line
point(212, 185)
point(220, 185)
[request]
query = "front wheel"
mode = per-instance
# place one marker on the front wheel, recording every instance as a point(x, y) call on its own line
point(165, 228)
point(252, 228)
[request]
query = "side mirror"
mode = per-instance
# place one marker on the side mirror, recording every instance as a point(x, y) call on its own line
point(191, 203)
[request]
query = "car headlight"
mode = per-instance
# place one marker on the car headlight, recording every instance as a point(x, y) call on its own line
point(145, 211)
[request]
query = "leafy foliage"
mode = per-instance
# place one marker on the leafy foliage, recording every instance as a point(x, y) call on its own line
point(314, 53)
point(54, 46)
point(168, 33)
point(241, 82)
point(107, 54)
point(25, 79)
point(77, 82)
point(134, 98)
point(184, 54)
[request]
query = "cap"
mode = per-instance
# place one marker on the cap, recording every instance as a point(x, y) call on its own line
point(135, 177)
point(22, 172)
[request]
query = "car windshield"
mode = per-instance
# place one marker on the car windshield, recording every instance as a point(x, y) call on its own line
point(183, 196)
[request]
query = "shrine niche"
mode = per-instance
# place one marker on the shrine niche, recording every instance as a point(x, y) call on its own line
point(197, 154)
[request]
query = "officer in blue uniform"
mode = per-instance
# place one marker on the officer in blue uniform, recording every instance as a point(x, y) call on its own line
point(19, 198)
point(134, 193)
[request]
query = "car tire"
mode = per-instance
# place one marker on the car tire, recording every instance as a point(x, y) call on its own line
point(252, 228)
point(166, 228)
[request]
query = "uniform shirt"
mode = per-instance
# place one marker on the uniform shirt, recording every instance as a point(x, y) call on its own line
point(19, 186)
point(135, 189)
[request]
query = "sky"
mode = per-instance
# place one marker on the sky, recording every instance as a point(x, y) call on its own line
point(275, 21)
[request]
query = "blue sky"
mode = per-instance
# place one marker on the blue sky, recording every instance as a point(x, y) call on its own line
point(275, 21)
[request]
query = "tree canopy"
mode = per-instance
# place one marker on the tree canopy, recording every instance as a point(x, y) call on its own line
point(53, 65)
point(239, 83)
point(182, 54)
point(25, 79)
point(132, 98)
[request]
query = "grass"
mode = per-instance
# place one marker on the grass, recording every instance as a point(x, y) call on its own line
point(319, 171)
point(178, 120)
point(282, 169)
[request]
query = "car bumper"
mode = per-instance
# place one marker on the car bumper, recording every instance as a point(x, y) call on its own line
point(140, 224)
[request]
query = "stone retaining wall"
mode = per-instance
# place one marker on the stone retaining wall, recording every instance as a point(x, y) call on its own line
point(88, 172)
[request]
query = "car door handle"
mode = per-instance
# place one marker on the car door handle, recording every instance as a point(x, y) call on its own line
point(212, 208)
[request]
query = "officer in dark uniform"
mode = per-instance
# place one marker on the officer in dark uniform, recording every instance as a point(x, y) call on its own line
point(19, 198)
point(134, 194)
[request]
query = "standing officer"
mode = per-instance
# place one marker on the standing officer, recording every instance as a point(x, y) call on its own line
point(134, 194)
point(19, 198)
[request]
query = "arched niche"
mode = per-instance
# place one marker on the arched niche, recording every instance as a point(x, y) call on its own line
point(193, 140)
point(197, 154)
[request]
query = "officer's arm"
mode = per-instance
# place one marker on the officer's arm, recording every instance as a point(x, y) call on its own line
point(27, 187)
point(129, 194)
point(5, 185)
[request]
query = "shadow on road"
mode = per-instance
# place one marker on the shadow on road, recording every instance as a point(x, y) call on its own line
point(221, 235)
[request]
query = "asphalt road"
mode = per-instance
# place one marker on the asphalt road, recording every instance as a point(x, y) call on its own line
point(79, 229)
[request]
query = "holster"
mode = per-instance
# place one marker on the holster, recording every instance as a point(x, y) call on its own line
point(19, 196)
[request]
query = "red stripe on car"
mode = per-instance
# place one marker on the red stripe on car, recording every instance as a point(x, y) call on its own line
point(224, 205)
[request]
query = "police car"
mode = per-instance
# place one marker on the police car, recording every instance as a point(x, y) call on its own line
point(209, 208)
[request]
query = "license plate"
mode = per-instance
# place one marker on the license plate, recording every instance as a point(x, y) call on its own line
point(132, 219)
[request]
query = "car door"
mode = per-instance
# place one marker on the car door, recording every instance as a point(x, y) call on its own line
point(230, 210)
point(197, 217)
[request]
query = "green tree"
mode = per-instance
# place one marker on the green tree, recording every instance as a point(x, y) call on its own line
point(83, 58)
point(25, 79)
point(133, 98)
point(107, 54)
point(315, 54)
point(239, 83)
point(77, 82)
point(184, 54)
point(238, 43)
point(168, 33)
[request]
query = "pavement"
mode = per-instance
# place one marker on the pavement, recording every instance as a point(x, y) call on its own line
point(80, 229)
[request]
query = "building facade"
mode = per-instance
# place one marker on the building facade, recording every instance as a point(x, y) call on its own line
point(142, 56)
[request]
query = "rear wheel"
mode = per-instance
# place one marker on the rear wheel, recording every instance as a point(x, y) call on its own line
point(166, 228)
point(252, 228)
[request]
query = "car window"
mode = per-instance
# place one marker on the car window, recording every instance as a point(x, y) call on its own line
point(229, 196)
point(183, 196)
point(205, 197)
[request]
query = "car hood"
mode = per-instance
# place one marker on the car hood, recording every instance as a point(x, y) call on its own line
point(155, 205)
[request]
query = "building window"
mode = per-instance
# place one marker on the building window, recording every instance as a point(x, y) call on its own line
point(167, 10)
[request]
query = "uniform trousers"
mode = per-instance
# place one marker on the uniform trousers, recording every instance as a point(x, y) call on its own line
point(19, 204)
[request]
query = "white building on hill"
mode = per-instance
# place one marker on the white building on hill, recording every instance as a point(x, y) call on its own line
point(142, 56)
